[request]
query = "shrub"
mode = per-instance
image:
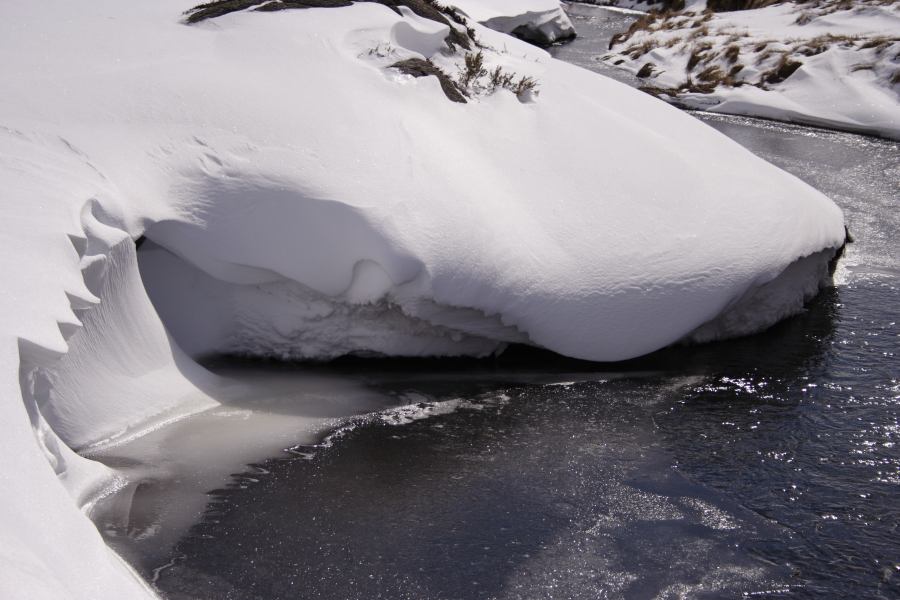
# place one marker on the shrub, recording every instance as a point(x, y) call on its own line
point(500, 79)
point(472, 70)
point(524, 86)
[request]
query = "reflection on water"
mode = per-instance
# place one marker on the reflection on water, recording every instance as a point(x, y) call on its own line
point(595, 27)
point(861, 174)
point(767, 466)
point(170, 469)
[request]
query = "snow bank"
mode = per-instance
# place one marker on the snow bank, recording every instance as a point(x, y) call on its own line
point(305, 199)
point(823, 64)
point(541, 22)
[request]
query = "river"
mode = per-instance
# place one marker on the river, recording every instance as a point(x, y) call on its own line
point(767, 466)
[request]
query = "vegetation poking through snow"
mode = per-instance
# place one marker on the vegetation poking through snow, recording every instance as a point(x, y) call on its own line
point(472, 70)
point(418, 67)
point(645, 71)
point(784, 69)
point(708, 52)
point(461, 33)
point(475, 79)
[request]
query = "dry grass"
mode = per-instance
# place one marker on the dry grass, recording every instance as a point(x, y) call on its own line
point(646, 70)
point(637, 51)
point(764, 57)
point(694, 59)
point(700, 32)
point(880, 43)
point(732, 52)
point(672, 42)
point(642, 24)
point(711, 74)
point(710, 66)
point(785, 68)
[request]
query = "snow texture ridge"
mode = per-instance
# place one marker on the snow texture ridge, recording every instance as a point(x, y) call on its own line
point(307, 200)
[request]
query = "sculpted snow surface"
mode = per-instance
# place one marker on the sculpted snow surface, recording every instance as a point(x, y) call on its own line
point(295, 187)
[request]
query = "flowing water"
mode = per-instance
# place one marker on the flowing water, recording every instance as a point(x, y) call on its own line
point(767, 466)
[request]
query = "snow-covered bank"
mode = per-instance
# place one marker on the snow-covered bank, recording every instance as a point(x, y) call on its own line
point(830, 64)
point(541, 22)
point(282, 159)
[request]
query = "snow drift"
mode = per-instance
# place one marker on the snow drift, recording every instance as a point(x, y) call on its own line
point(301, 198)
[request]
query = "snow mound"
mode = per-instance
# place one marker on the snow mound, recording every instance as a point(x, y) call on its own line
point(301, 198)
point(825, 63)
point(541, 22)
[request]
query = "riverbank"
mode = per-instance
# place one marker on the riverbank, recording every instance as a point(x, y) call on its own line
point(765, 466)
point(828, 64)
point(304, 186)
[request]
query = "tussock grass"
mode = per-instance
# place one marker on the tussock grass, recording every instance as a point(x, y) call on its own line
point(732, 52)
point(785, 68)
point(720, 55)
point(646, 70)
point(694, 59)
point(733, 72)
point(641, 24)
point(711, 74)
point(672, 42)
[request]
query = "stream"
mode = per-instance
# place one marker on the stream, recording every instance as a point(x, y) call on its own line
point(767, 466)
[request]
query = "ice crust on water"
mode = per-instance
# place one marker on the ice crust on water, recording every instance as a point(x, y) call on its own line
point(273, 154)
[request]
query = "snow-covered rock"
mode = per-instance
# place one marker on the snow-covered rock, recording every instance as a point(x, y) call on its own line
point(823, 63)
point(302, 198)
point(541, 22)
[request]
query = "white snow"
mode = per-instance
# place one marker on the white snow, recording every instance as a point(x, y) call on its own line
point(337, 205)
point(542, 21)
point(848, 78)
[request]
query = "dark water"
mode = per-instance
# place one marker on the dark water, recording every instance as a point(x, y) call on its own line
point(767, 466)
point(595, 27)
